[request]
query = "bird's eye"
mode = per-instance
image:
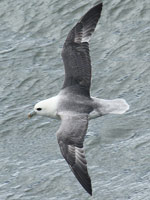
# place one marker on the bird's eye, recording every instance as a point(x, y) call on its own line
point(39, 109)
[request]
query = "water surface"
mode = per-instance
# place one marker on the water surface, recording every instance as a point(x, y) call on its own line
point(117, 146)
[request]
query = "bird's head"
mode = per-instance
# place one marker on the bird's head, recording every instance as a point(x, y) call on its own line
point(46, 107)
point(40, 108)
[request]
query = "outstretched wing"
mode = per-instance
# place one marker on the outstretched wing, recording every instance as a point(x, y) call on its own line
point(75, 52)
point(70, 139)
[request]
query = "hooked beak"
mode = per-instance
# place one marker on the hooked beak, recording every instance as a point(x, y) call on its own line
point(31, 114)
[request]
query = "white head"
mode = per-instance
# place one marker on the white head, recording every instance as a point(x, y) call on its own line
point(46, 107)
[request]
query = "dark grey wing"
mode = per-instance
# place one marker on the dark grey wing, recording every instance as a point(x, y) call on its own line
point(70, 139)
point(75, 52)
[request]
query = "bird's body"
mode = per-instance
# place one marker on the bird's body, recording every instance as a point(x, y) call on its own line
point(95, 107)
point(73, 105)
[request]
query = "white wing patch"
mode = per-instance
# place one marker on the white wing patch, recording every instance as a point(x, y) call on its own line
point(78, 153)
point(85, 37)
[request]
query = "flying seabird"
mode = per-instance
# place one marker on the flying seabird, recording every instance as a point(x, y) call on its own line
point(73, 105)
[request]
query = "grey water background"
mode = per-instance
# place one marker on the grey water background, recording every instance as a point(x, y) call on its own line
point(117, 147)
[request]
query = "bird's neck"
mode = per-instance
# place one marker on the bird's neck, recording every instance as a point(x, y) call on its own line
point(52, 106)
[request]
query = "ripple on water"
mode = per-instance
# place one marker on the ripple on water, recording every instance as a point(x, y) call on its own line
point(31, 69)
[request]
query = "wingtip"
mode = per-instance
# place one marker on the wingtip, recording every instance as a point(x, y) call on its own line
point(99, 6)
point(90, 192)
point(88, 189)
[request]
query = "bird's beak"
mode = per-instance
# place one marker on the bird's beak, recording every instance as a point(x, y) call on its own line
point(31, 114)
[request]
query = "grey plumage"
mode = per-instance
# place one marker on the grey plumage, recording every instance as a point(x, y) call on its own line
point(73, 105)
point(70, 138)
point(74, 111)
point(75, 52)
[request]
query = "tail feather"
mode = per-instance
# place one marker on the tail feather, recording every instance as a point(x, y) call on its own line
point(115, 106)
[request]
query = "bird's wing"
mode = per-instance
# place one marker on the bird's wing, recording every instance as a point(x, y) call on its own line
point(70, 138)
point(75, 51)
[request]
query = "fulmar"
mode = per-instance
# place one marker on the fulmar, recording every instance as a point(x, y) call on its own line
point(73, 105)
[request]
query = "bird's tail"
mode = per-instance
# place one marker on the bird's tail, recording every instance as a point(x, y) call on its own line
point(115, 106)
